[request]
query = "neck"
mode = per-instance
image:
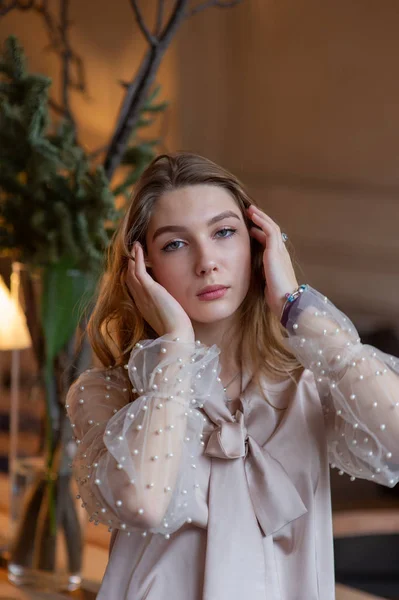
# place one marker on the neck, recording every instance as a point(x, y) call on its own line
point(226, 337)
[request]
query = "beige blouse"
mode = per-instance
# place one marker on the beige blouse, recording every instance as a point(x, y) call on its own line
point(209, 505)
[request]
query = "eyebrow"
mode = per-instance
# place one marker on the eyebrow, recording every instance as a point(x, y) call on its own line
point(181, 228)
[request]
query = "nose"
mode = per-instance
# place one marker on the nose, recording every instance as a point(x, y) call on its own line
point(204, 269)
point(206, 261)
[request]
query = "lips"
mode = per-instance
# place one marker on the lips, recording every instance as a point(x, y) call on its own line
point(211, 288)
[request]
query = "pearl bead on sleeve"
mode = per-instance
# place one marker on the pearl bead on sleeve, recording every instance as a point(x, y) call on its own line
point(358, 387)
point(136, 461)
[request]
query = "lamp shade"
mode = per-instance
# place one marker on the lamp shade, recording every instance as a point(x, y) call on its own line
point(14, 334)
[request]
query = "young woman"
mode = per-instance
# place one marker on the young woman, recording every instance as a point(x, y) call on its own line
point(204, 442)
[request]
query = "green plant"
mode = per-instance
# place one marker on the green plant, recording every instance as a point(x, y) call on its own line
point(57, 215)
point(57, 209)
point(55, 204)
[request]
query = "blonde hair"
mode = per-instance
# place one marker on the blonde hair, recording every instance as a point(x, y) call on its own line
point(116, 324)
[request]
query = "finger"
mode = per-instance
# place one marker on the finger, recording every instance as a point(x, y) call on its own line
point(263, 215)
point(264, 221)
point(141, 270)
point(266, 217)
point(132, 270)
point(133, 282)
point(133, 285)
point(258, 210)
point(268, 229)
point(258, 235)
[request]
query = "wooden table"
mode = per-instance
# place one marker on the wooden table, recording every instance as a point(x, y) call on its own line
point(10, 592)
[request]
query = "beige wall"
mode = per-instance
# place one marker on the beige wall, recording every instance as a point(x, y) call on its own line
point(300, 98)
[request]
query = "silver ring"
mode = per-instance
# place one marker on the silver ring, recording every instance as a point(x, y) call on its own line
point(285, 237)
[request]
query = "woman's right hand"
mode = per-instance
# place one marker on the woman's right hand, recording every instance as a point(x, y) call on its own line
point(157, 306)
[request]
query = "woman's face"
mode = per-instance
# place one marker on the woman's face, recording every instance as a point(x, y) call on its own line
point(197, 237)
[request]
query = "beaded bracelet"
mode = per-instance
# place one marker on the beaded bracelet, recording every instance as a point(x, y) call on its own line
point(289, 300)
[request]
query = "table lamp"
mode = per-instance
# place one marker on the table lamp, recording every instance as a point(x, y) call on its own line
point(14, 336)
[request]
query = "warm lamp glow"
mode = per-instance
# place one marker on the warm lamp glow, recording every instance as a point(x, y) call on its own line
point(14, 334)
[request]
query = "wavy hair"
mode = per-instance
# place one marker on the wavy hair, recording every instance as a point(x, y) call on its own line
point(116, 324)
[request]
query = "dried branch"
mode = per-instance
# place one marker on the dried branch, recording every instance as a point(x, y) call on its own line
point(52, 28)
point(212, 4)
point(65, 53)
point(58, 33)
point(4, 9)
point(60, 44)
point(137, 90)
point(59, 41)
point(97, 152)
point(57, 108)
point(68, 59)
point(176, 18)
point(159, 21)
point(152, 40)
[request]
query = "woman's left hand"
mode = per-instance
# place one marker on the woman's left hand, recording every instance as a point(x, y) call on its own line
point(279, 272)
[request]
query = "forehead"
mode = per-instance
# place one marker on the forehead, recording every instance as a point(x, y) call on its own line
point(191, 205)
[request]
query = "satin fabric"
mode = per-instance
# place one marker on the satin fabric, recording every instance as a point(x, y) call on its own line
point(258, 522)
point(262, 528)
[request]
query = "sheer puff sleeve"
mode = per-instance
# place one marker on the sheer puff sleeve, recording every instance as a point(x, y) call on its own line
point(358, 386)
point(135, 462)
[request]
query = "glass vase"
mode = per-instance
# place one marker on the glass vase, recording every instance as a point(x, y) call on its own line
point(46, 519)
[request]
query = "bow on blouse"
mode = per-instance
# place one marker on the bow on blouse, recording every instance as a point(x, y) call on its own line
point(275, 499)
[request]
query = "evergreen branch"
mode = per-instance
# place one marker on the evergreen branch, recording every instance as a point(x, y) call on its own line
point(86, 243)
point(66, 239)
point(58, 33)
point(12, 186)
point(46, 176)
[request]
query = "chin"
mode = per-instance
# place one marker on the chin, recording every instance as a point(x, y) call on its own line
point(212, 314)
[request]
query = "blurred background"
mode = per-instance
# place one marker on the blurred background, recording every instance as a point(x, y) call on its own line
point(300, 99)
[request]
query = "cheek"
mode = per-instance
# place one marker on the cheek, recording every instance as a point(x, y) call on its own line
point(246, 273)
point(169, 275)
point(242, 261)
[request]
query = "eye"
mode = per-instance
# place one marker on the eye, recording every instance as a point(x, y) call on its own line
point(169, 247)
point(226, 230)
